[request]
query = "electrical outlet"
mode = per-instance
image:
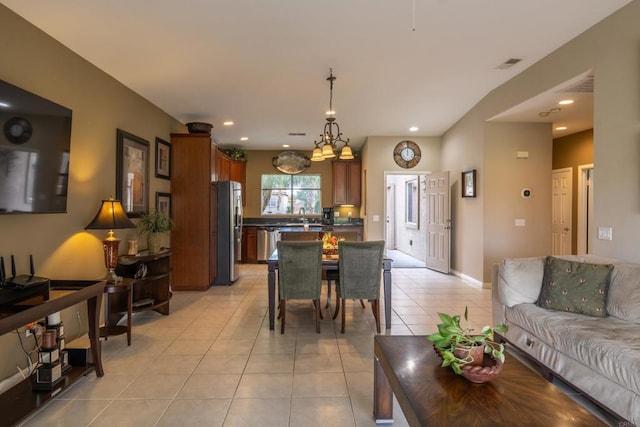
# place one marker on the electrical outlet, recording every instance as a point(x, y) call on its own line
point(30, 329)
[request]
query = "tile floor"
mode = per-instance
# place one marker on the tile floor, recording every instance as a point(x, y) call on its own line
point(214, 362)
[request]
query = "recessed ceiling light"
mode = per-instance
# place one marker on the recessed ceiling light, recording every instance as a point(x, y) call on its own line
point(228, 123)
point(285, 146)
point(561, 128)
point(413, 129)
point(566, 102)
point(244, 138)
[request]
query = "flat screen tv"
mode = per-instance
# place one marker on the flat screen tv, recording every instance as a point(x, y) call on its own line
point(34, 152)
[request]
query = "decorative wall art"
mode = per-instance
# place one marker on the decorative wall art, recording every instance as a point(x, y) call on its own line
point(132, 173)
point(469, 183)
point(163, 159)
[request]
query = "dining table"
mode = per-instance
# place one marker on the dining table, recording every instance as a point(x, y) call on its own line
point(329, 262)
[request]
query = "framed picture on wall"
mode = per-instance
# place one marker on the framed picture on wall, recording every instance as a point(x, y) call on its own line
point(132, 173)
point(163, 203)
point(163, 159)
point(469, 183)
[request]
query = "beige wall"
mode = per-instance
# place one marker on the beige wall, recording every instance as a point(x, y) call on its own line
point(58, 242)
point(377, 158)
point(610, 50)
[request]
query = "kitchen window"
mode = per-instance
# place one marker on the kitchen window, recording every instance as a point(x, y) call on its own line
point(290, 194)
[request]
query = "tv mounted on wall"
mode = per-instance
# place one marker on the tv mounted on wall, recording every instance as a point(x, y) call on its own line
point(34, 152)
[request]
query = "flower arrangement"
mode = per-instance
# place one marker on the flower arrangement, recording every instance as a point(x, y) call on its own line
point(330, 243)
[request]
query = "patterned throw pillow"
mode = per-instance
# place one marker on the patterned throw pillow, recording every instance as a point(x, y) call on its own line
point(575, 287)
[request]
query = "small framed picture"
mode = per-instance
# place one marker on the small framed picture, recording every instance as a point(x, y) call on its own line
point(132, 173)
point(163, 159)
point(469, 183)
point(163, 203)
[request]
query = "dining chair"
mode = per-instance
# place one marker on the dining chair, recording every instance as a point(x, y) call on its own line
point(360, 269)
point(299, 275)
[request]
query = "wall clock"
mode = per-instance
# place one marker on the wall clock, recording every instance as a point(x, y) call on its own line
point(17, 130)
point(407, 154)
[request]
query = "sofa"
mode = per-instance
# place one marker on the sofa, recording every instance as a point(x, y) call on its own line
point(595, 349)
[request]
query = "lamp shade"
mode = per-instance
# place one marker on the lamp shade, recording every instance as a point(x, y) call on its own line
point(346, 153)
point(110, 216)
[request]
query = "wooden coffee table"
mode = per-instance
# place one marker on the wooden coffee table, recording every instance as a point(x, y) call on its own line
point(430, 395)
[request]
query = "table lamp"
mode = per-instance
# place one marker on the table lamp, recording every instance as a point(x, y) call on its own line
point(110, 216)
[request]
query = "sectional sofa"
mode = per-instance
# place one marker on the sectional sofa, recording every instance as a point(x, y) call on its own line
point(590, 340)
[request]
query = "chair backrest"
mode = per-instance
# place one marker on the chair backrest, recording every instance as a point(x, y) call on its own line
point(360, 266)
point(300, 269)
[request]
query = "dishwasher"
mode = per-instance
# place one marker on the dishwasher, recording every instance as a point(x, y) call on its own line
point(267, 238)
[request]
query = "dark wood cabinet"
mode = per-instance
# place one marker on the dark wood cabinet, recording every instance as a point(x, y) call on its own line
point(193, 206)
point(229, 169)
point(250, 245)
point(346, 182)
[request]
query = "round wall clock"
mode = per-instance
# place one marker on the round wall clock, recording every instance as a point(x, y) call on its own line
point(407, 154)
point(17, 130)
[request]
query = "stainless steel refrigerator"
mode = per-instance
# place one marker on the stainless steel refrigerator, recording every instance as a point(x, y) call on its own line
point(229, 231)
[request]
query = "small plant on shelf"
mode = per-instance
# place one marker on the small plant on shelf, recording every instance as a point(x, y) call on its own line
point(152, 224)
point(454, 343)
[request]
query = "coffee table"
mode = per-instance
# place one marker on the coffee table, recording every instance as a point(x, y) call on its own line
point(428, 394)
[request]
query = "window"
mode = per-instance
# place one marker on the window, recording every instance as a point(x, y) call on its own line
point(412, 201)
point(288, 194)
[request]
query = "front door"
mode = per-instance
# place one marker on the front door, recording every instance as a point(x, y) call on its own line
point(437, 192)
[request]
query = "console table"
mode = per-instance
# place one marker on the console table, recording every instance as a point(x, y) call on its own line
point(19, 401)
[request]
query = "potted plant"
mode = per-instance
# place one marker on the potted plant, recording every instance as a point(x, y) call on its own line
point(153, 224)
point(460, 346)
point(236, 154)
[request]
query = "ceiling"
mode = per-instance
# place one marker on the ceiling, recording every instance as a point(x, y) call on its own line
point(263, 64)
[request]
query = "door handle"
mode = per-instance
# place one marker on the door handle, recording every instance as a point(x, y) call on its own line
point(566, 229)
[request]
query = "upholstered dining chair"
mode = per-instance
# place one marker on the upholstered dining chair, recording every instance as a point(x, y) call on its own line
point(299, 275)
point(360, 269)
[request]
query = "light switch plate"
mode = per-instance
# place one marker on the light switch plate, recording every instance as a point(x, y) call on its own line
point(376, 218)
point(521, 222)
point(605, 233)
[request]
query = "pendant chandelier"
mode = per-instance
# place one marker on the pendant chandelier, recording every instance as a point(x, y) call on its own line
point(327, 146)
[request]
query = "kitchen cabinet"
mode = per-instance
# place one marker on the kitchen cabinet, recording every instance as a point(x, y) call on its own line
point(193, 206)
point(231, 170)
point(346, 182)
point(250, 245)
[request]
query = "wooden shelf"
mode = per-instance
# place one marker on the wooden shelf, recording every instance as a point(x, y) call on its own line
point(20, 401)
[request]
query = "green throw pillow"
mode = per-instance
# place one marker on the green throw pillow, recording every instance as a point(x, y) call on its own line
point(575, 287)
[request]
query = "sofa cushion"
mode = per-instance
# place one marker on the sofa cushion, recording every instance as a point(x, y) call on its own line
point(576, 287)
point(609, 346)
point(623, 300)
point(520, 280)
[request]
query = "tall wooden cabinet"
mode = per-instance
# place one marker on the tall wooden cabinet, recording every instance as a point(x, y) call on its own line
point(193, 209)
point(346, 182)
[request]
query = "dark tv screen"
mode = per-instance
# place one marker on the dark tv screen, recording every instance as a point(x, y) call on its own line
point(34, 152)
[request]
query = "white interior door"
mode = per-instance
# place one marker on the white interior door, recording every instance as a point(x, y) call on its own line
point(561, 193)
point(438, 229)
point(391, 217)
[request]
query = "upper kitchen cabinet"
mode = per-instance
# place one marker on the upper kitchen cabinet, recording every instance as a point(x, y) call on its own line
point(346, 182)
point(231, 170)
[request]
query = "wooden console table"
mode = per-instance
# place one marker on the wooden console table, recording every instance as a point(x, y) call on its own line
point(19, 401)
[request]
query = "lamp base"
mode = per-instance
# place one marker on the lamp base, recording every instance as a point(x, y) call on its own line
point(112, 277)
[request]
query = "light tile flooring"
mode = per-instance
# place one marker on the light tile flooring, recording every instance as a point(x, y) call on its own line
point(214, 362)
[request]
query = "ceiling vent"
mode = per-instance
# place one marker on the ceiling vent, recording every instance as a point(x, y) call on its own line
point(583, 86)
point(297, 134)
point(509, 63)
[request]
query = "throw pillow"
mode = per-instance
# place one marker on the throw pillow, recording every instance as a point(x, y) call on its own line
point(575, 287)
